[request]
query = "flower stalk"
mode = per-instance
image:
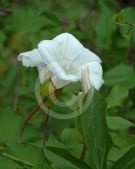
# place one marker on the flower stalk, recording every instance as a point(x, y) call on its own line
point(83, 152)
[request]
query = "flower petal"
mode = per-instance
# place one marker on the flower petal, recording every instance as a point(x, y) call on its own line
point(70, 47)
point(30, 58)
point(59, 83)
point(50, 52)
point(87, 56)
point(44, 73)
point(95, 74)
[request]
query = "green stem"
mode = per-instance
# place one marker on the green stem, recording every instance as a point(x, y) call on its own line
point(83, 152)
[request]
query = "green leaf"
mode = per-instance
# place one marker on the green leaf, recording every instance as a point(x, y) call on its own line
point(127, 161)
point(68, 157)
point(25, 19)
point(52, 17)
point(5, 163)
point(43, 163)
point(117, 95)
point(73, 146)
point(104, 35)
point(19, 42)
point(31, 132)
point(123, 142)
point(10, 125)
point(128, 30)
point(68, 106)
point(118, 123)
point(94, 131)
point(119, 18)
point(27, 154)
point(53, 142)
point(10, 78)
point(62, 167)
point(129, 13)
point(73, 134)
point(120, 75)
point(73, 88)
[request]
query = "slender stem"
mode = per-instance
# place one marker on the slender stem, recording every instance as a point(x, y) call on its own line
point(34, 111)
point(83, 152)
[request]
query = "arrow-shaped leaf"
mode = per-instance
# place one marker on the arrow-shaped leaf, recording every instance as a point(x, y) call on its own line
point(94, 131)
point(64, 154)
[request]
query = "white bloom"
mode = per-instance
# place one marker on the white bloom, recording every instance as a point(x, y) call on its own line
point(62, 59)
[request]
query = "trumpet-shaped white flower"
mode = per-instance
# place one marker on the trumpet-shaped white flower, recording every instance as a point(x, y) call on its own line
point(62, 60)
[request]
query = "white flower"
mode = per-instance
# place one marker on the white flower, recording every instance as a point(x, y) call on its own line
point(62, 60)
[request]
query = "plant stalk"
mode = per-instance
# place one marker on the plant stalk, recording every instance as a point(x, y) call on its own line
point(83, 152)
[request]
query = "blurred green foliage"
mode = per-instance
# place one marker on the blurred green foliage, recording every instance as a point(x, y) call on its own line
point(105, 27)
